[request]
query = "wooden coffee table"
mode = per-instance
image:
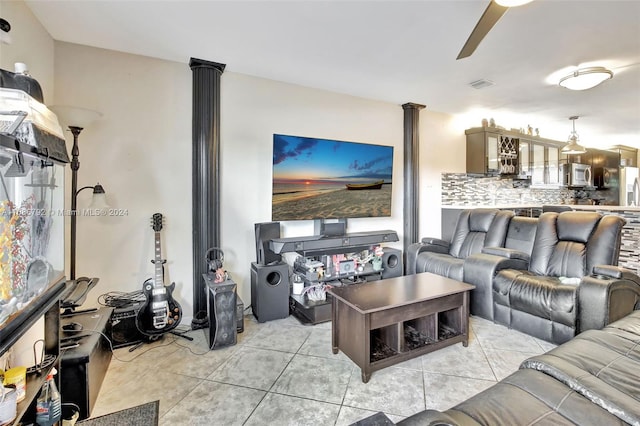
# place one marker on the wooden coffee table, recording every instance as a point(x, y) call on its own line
point(385, 322)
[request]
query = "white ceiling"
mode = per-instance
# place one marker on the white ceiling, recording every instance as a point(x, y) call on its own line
point(396, 51)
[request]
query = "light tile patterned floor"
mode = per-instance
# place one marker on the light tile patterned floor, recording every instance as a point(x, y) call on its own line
point(284, 373)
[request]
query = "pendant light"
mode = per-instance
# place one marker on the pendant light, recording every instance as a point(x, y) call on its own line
point(572, 146)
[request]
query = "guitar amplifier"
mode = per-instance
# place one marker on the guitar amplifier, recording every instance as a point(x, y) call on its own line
point(124, 331)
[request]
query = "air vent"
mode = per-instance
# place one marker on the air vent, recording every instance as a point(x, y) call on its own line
point(481, 84)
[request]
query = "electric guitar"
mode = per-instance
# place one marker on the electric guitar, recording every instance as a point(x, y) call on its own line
point(160, 312)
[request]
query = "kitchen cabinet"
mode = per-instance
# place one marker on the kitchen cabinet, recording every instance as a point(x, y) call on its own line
point(540, 162)
point(494, 151)
point(489, 152)
point(482, 151)
point(628, 156)
point(525, 165)
point(553, 165)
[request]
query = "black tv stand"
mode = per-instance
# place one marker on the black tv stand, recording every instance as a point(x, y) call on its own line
point(310, 312)
point(319, 245)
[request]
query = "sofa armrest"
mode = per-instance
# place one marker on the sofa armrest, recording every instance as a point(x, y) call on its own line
point(430, 241)
point(617, 272)
point(428, 244)
point(437, 418)
point(479, 269)
point(608, 295)
point(506, 253)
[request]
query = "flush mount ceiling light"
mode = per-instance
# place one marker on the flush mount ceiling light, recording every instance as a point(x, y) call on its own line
point(512, 3)
point(572, 146)
point(585, 78)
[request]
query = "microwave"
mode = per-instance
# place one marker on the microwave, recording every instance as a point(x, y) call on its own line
point(576, 175)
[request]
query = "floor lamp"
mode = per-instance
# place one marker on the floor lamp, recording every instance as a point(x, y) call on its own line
point(77, 119)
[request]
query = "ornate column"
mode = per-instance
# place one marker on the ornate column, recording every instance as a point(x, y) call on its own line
point(206, 174)
point(411, 174)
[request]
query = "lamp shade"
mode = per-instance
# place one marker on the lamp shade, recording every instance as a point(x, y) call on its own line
point(74, 116)
point(99, 199)
point(585, 78)
point(572, 146)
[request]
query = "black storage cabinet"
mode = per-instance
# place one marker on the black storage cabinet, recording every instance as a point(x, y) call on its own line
point(84, 367)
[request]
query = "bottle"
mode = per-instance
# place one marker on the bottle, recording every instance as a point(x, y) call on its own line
point(48, 406)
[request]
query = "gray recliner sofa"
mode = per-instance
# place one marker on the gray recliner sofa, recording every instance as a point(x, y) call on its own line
point(572, 282)
point(594, 379)
point(552, 277)
point(475, 229)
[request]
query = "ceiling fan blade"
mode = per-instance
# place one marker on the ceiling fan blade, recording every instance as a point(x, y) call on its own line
point(491, 15)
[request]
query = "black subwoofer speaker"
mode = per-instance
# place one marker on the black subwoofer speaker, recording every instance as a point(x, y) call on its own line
point(270, 291)
point(223, 325)
point(391, 263)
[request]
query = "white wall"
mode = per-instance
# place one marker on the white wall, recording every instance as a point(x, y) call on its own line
point(140, 151)
point(442, 149)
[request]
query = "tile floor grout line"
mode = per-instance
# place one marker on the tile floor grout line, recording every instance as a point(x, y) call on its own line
point(181, 399)
point(424, 384)
point(275, 381)
point(346, 389)
point(484, 353)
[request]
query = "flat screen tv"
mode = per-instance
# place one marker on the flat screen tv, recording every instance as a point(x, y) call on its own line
point(329, 179)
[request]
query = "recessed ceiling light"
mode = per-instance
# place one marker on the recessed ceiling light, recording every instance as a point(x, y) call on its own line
point(585, 78)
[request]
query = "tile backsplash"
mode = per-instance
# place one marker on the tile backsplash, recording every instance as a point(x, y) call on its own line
point(461, 189)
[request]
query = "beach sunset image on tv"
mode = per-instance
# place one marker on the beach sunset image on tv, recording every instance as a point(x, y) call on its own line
point(328, 179)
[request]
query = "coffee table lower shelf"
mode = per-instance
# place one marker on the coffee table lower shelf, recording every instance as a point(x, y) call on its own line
point(412, 353)
point(389, 334)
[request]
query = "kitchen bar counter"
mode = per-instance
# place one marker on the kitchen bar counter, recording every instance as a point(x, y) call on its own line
point(538, 206)
point(629, 249)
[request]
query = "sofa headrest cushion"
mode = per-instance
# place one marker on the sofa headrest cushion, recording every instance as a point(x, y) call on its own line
point(576, 226)
point(481, 219)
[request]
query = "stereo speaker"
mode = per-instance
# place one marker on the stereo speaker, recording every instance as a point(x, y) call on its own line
point(270, 291)
point(264, 233)
point(222, 305)
point(391, 263)
point(124, 331)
